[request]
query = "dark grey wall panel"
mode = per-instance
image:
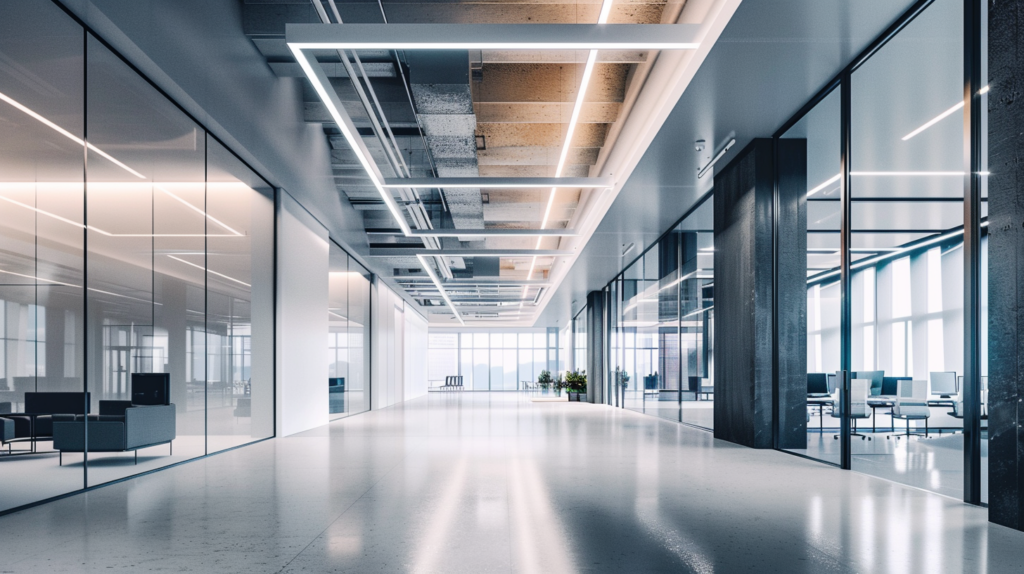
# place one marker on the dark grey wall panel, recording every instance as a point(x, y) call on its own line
point(1006, 263)
point(791, 298)
point(596, 303)
point(743, 298)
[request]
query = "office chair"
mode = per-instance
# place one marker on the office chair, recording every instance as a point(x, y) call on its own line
point(912, 404)
point(859, 409)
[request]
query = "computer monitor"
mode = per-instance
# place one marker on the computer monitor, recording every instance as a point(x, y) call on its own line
point(151, 388)
point(817, 384)
point(891, 384)
point(833, 384)
point(876, 380)
point(943, 383)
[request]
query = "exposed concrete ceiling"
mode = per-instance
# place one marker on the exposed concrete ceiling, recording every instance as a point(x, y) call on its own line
point(483, 113)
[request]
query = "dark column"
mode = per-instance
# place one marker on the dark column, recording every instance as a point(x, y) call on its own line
point(791, 294)
point(750, 404)
point(1006, 264)
point(595, 346)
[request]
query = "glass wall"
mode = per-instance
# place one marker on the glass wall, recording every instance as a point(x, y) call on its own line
point(662, 312)
point(136, 271)
point(907, 250)
point(820, 129)
point(348, 319)
point(487, 361)
point(905, 332)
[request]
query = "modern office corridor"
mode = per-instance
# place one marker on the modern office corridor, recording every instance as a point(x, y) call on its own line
point(492, 482)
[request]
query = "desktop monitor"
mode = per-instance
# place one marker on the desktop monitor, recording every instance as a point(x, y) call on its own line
point(875, 377)
point(151, 388)
point(833, 383)
point(943, 383)
point(817, 384)
point(890, 385)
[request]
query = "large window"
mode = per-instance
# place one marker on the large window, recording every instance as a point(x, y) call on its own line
point(491, 361)
point(136, 271)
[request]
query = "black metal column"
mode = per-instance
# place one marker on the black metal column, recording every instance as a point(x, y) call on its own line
point(972, 251)
point(1006, 257)
point(846, 315)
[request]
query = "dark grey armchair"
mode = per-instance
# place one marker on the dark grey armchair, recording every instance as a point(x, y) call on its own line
point(120, 427)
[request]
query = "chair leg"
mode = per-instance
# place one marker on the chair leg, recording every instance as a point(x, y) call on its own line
point(60, 458)
point(136, 457)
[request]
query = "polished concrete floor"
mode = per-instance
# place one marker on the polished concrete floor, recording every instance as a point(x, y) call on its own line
point(477, 482)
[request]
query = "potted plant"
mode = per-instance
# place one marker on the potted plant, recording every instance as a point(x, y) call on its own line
point(544, 380)
point(559, 385)
point(576, 383)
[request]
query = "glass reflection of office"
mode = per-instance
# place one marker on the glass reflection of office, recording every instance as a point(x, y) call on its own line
point(137, 263)
point(348, 331)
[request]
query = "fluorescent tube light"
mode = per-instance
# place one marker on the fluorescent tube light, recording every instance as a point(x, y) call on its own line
point(933, 121)
point(440, 288)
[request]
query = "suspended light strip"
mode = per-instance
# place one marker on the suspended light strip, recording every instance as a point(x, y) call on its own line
point(333, 103)
point(437, 283)
point(69, 135)
point(588, 69)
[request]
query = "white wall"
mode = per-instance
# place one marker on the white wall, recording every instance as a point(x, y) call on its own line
point(399, 352)
point(415, 354)
point(302, 302)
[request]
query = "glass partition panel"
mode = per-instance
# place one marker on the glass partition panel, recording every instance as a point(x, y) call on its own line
point(696, 310)
point(239, 278)
point(820, 129)
point(146, 247)
point(337, 331)
point(357, 388)
point(907, 254)
point(41, 248)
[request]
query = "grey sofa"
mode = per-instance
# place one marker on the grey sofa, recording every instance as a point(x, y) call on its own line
point(120, 427)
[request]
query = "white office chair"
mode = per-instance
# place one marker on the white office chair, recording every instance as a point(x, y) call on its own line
point(912, 404)
point(859, 409)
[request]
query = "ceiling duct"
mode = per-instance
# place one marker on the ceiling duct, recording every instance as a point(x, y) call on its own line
point(439, 80)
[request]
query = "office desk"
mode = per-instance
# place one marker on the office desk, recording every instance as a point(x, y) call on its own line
point(882, 402)
point(820, 403)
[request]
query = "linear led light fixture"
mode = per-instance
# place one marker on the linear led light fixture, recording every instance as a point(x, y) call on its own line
point(406, 252)
point(704, 170)
point(493, 232)
point(440, 288)
point(492, 36)
point(69, 135)
point(496, 182)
